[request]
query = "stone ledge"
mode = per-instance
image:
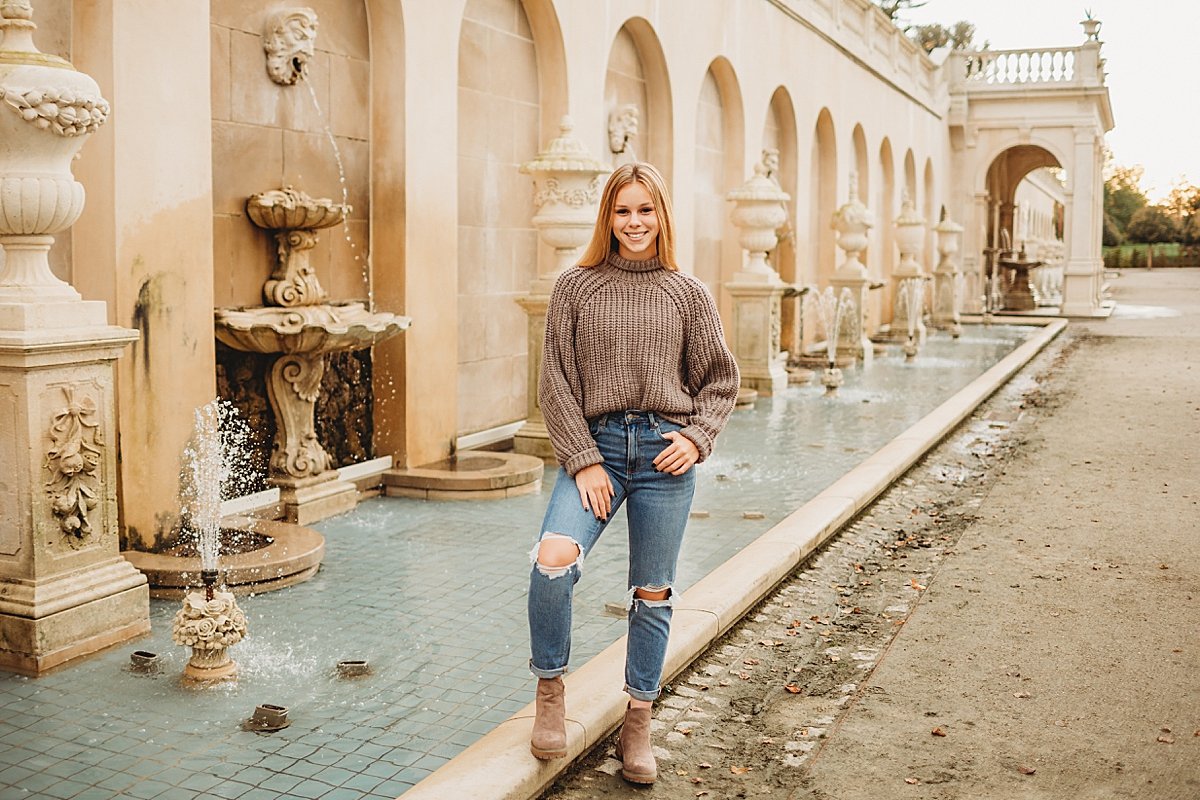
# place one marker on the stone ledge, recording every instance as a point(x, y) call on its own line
point(473, 474)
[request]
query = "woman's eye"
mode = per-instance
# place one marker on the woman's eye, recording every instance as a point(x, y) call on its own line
point(622, 212)
point(647, 211)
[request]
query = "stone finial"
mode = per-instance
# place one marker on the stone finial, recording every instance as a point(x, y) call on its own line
point(288, 40)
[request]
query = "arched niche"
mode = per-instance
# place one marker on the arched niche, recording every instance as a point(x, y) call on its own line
point(499, 128)
point(885, 208)
point(720, 141)
point(1004, 174)
point(930, 211)
point(823, 199)
point(637, 75)
point(862, 176)
point(779, 133)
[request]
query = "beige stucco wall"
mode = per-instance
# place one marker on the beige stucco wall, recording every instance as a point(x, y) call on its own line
point(434, 106)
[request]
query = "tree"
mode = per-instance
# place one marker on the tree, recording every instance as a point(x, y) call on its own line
point(1183, 203)
point(1123, 195)
point(959, 35)
point(893, 7)
point(1112, 234)
point(1152, 225)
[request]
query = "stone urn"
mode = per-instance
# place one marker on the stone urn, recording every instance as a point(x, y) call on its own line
point(47, 111)
point(566, 183)
point(853, 221)
point(947, 278)
point(758, 212)
point(566, 194)
point(909, 229)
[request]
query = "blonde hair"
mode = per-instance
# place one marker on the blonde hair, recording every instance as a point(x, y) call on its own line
point(603, 241)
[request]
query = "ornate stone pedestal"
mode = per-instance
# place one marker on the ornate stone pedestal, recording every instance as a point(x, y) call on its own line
point(852, 221)
point(756, 289)
point(65, 591)
point(909, 234)
point(948, 279)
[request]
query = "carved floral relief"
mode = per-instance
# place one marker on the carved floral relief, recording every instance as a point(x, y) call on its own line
point(74, 462)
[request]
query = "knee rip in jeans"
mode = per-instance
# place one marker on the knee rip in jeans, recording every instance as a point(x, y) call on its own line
point(666, 601)
point(554, 569)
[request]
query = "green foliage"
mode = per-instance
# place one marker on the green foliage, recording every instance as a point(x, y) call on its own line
point(959, 35)
point(1152, 224)
point(893, 7)
point(1123, 195)
point(1112, 232)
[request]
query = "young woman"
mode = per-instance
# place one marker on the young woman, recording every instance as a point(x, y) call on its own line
point(636, 385)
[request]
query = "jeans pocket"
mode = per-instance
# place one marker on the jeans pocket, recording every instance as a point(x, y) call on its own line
point(666, 426)
point(595, 426)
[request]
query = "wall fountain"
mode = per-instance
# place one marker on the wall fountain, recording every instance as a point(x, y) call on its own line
point(911, 297)
point(853, 221)
point(301, 326)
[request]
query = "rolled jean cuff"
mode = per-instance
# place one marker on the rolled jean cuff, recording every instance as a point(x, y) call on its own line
point(637, 694)
point(546, 673)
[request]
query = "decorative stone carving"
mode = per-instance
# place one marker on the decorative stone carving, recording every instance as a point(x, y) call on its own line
point(853, 221)
point(293, 216)
point(622, 130)
point(73, 461)
point(288, 41)
point(566, 181)
point(62, 112)
point(948, 278)
point(909, 234)
point(758, 212)
point(209, 625)
point(52, 109)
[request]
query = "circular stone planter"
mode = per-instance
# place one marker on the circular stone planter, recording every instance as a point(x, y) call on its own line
point(471, 475)
point(293, 555)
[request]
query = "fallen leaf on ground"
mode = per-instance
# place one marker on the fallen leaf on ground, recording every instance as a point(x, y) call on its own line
point(696, 780)
point(704, 765)
point(1021, 695)
point(911, 781)
point(835, 658)
point(1026, 770)
point(1167, 738)
point(738, 770)
point(751, 662)
point(919, 587)
point(744, 675)
point(702, 793)
point(794, 689)
point(938, 731)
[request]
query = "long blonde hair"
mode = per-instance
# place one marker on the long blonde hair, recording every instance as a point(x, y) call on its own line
point(603, 241)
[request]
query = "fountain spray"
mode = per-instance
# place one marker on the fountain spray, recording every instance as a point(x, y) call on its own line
point(210, 621)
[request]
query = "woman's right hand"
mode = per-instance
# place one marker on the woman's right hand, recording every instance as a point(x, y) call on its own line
point(595, 490)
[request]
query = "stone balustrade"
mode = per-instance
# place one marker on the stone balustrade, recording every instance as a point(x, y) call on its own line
point(1008, 69)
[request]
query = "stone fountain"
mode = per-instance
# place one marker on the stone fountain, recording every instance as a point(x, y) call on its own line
point(853, 221)
point(300, 325)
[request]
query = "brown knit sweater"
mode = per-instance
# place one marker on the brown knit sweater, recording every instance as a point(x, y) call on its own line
point(632, 335)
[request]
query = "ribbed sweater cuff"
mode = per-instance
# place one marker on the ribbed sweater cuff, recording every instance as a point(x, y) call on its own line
point(581, 460)
point(700, 439)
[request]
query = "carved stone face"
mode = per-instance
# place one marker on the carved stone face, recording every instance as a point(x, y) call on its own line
point(622, 126)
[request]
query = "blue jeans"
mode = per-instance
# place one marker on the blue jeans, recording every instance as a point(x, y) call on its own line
point(657, 506)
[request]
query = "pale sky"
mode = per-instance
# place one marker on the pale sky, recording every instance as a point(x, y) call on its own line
point(1151, 47)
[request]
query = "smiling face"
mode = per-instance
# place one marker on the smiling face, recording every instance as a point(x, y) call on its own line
point(635, 222)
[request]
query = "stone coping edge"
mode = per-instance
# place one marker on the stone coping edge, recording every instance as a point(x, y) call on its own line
point(499, 766)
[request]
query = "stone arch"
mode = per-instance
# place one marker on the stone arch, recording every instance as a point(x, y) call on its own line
point(720, 136)
point(823, 198)
point(499, 127)
point(637, 75)
point(1004, 173)
point(551, 64)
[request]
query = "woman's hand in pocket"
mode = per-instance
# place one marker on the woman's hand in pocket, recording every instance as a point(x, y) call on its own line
point(595, 490)
point(679, 456)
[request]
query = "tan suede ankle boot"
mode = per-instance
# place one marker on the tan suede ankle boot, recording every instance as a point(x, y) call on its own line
point(633, 747)
point(549, 739)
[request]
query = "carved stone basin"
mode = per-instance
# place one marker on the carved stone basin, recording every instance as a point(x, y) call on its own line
point(289, 209)
point(308, 330)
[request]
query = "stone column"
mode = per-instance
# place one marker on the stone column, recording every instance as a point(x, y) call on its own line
point(65, 590)
point(852, 222)
point(947, 278)
point(566, 195)
point(1084, 265)
point(910, 235)
point(757, 289)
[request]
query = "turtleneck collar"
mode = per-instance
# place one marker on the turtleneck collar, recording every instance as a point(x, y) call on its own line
point(648, 265)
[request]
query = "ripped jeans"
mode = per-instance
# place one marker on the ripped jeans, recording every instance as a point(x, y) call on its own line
point(657, 506)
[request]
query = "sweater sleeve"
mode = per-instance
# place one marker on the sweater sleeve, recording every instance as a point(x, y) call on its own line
point(712, 374)
point(560, 389)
